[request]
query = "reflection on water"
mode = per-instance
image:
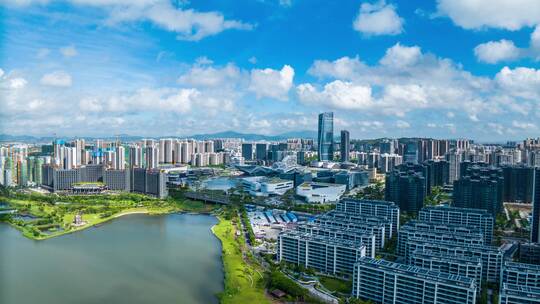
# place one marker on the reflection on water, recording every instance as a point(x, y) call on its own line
point(133, 259)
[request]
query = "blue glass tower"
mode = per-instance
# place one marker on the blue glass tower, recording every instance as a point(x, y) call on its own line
point(326, 136)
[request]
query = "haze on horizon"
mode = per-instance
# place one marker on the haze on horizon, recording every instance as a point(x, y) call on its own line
point(437, 68)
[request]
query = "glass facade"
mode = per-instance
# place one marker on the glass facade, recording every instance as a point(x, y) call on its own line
point(326, 136)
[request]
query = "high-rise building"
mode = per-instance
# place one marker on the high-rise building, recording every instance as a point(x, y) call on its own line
point(120, 159)
point(535, 230)
point(460, 216)
point(325, 254)
point(151, 157)
point(406, 185)
point(480, 188)
point(247, 151)
point(374, 208)
point(345, 147)
point(261, 151)
point(326, 137)
point(382, 281)
point(518, 184)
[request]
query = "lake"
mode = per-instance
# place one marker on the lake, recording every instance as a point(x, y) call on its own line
point(133, 259)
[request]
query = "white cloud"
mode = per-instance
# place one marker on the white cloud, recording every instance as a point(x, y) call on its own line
point(1, 73)
point(337, 94)
point(272, 83)
point(17, 83)
point(343, 68)
point(401, 56)
point(378, 19)
point(503, 14)
point(252, 60)
point(520, 82)
point(523, 125)
point(69, 51)
point(90, 104)
point(401, 124)
point(209, 76)
point(57, 79)
point(496, 51)
point(188, 24)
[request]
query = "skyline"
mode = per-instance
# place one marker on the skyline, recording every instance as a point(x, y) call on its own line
point(385, 68)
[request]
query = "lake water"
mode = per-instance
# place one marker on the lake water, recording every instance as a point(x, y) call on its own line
point(219, 183)
point(133, 259)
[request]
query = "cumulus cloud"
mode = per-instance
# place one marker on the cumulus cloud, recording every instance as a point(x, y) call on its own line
point(496, 51)
point(401, 56)
point(209, 76)
point(56, 79)
point(272, 83)
point(503, 14)
point(378, 19)
point(520, 82)
point(343, 68)
point(337, 94)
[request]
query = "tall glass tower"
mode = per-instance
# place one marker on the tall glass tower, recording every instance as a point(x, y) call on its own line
point(326, 136)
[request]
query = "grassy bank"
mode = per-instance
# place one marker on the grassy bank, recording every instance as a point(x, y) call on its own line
point(54, 215)
point(244, 282)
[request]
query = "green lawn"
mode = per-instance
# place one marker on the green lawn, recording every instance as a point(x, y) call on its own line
point(336, 285)
point(243, 281)
point(95, 209)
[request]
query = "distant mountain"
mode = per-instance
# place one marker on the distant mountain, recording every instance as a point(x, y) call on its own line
point(251, 136)
point(129, 138)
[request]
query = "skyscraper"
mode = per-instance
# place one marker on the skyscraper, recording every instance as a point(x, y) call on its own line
point(247, 151)
point(345, 146)
point(326, 136)
point(535, 230)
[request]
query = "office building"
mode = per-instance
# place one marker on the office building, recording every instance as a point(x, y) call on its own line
point(382, 281)
point(325, 138)
point(329, 255)
point(373, 208)
point(345, 146)
point(535, 227)
point(247, 151)
point(480, 188)
point(492, 257)
point(261, 151)
point(460, 216)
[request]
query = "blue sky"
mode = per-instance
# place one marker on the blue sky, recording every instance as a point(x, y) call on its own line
point(438, 68)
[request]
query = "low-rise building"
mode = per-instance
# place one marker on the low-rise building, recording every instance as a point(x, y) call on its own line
point(265, 186)
point(316, 192)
